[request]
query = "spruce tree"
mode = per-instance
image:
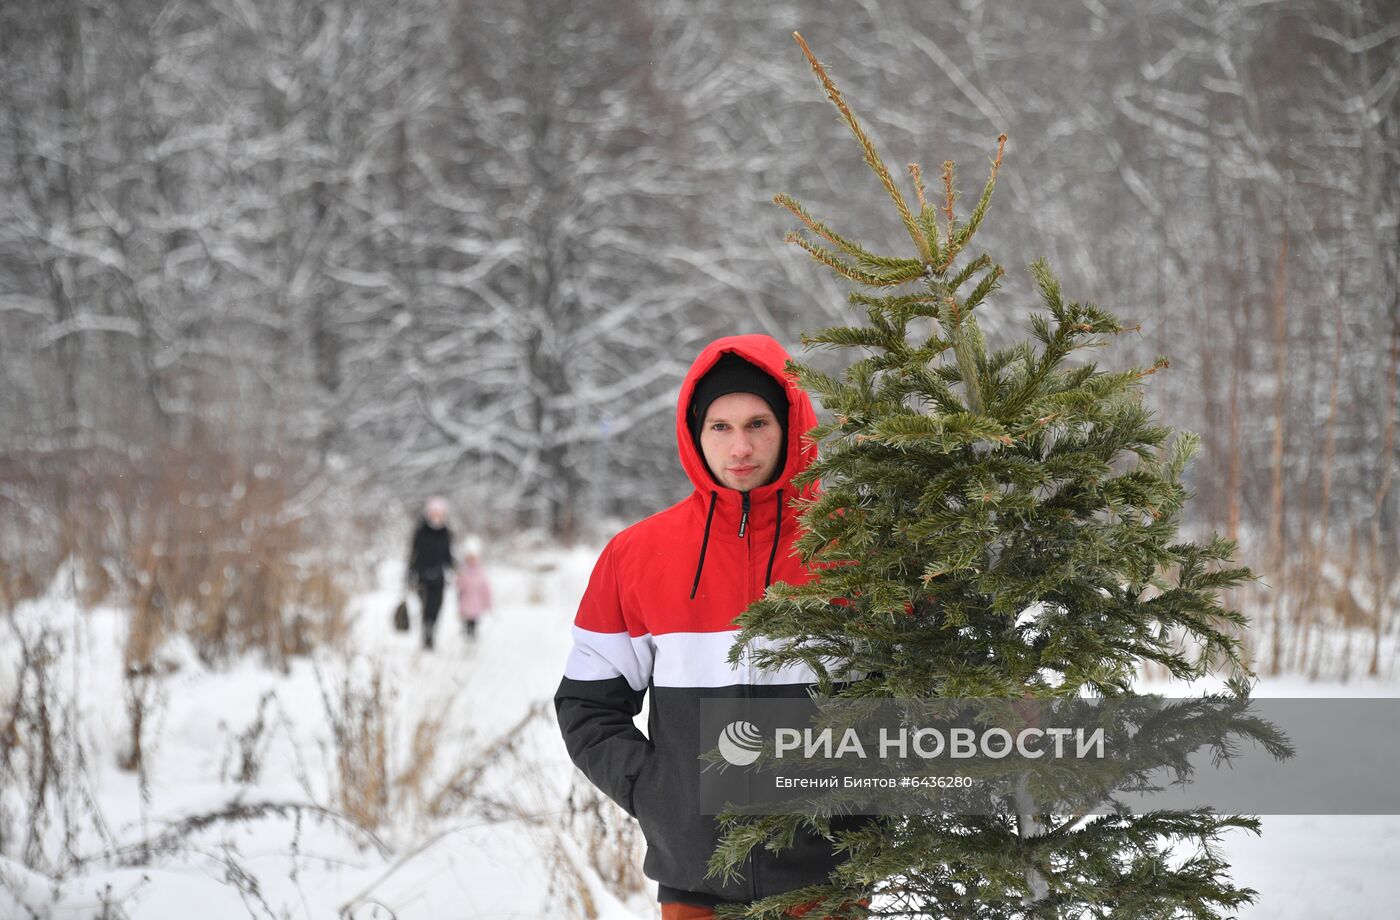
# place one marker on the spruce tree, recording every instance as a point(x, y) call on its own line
point(992, 523)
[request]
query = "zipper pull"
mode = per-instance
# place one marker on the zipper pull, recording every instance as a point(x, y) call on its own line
point(744, 518)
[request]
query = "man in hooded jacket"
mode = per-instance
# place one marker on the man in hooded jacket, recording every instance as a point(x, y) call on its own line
point(658, 617)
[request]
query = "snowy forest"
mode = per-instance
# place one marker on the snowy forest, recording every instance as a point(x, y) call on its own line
point(273, 272)
point(468, 247)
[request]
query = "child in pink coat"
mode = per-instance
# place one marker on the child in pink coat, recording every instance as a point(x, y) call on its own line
point(473, 588)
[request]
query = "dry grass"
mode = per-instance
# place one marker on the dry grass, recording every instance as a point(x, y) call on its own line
point(1327, 611)
point(583, 835)
point(252, 744)
point(612, 841)
point(575, 832)
point(358, 712)
point(230, 563)
point(229, 547)
point(44, 762)
point(378, 779)
point(417, 770)
point(568, 890)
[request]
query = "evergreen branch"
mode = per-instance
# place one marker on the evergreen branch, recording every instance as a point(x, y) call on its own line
point(980, 211)
point(852, 337)
point(927, 219)
point(926, 383)
point(1073, 322)
point(949, 196)
point(928, 223)
point(893, 328)
point(1183, 450)
point(816, 226)
point(896, 308)
point(813, 380)
point(834, 262)
point(1158, 365)
point(739, 839)
point(917, 173)
point(851, 248)
point(1048, 285)
point(970, 348)
point(1040, 329)
point(950, 312)
point(872, 156)
point(949, 431)
point(907, 269)
point(928, 351)
point(984, 287)
point(968, 270)
point(1003, 358)
point(918, 381)
point(892, 304)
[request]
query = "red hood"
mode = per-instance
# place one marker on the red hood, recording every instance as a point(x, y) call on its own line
point(765, 353)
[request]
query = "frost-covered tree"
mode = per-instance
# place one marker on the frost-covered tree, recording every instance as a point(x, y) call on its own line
point(542, 318)
point(375, 238)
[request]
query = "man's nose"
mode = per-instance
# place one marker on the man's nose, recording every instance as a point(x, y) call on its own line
point(742, 446)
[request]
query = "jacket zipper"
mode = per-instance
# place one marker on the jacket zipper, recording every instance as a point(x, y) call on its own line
point(748, 687)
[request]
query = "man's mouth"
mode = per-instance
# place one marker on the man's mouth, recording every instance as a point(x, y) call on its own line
point(742, 470)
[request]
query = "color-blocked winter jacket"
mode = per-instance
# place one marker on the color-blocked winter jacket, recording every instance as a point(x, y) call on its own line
point(658, 617)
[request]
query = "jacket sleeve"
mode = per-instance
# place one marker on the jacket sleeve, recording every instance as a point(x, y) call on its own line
point(605, 681)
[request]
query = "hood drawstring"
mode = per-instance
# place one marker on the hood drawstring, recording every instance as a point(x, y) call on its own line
point(704, 544)
point(773, 553)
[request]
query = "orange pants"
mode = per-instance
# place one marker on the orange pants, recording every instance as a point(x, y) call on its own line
point(690, 912)
point(685, 912)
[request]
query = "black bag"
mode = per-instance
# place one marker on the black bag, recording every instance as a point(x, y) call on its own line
point(401, 616)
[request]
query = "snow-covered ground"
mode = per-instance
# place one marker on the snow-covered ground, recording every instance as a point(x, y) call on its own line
point(491, 823)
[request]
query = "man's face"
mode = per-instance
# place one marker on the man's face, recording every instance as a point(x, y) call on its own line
point(741, 441)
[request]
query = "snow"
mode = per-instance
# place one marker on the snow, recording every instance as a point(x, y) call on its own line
point(509, 849)
point(509, 858)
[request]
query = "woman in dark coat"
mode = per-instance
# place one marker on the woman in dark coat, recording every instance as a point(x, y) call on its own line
point(429, 561)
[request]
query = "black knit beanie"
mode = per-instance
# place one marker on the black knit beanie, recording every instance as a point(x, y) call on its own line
point(732, 374)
